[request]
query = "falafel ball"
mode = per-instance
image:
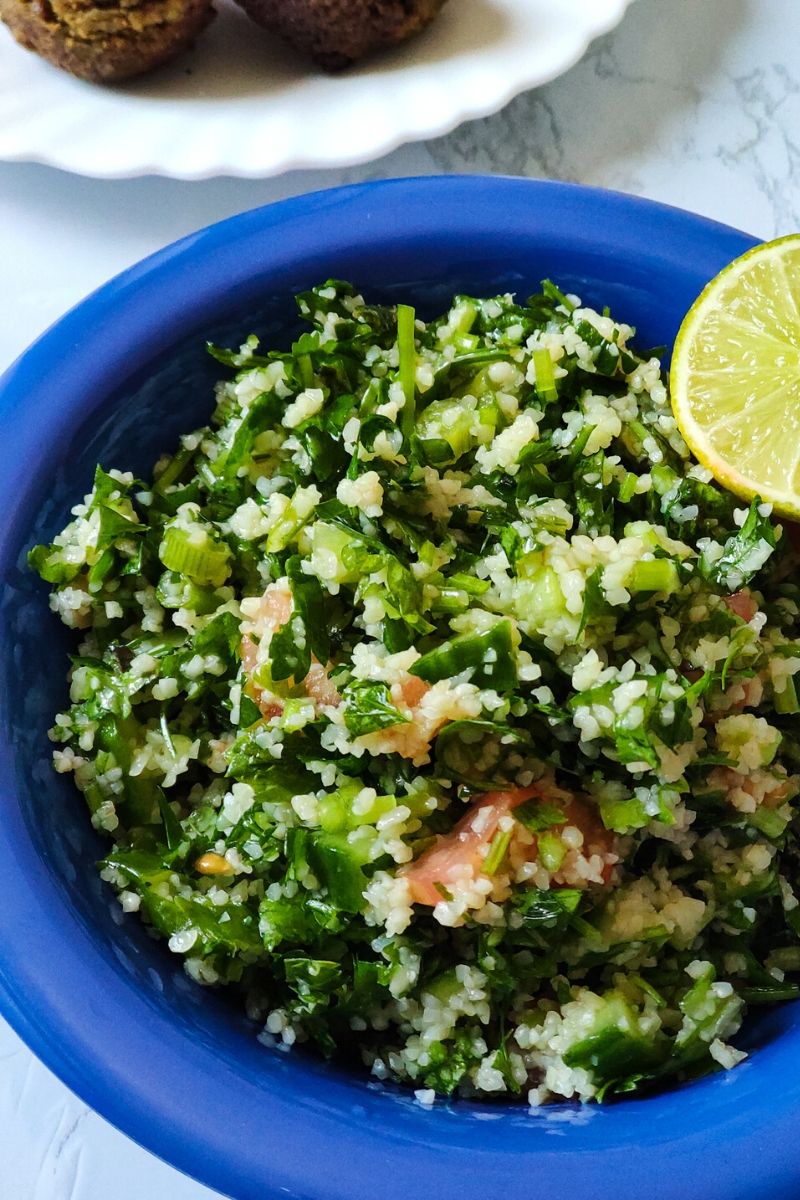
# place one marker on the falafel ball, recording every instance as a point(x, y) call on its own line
point(338, 32)
point(106, 40)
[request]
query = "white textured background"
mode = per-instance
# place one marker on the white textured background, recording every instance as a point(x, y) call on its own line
point(693, 102)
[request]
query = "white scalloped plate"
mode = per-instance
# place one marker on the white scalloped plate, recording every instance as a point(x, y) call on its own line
point(241, 104)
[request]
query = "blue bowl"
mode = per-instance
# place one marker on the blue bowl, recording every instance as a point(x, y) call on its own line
point(177, 1067)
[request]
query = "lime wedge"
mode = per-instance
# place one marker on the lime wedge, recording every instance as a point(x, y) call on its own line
point(735, 376)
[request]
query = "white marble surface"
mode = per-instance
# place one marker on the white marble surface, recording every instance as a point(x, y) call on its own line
point(693, 102)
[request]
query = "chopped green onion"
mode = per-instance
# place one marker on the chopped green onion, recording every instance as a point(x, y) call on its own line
point(545, 375)
point(407, 368)
point(553, 292)
point(627, 489)
point(173, 470)
point(306, 369)
point(497, 851)
point(649, 990)
point(462, 315)
point(193, 552)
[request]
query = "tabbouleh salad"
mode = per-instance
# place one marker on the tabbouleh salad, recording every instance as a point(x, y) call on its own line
point(436, 699)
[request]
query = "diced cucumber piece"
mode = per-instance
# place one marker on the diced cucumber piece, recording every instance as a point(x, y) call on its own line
point(190, 549)
point(654, 575)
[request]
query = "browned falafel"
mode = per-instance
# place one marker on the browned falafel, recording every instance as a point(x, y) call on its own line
point(337, 32)
point(106, 40)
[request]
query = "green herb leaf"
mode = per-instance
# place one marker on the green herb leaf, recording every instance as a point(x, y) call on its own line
point(368, 707)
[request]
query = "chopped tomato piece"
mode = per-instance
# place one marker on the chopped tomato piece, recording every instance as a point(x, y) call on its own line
point(249, 653)
point(276, 607)
point(413, 689)
point(319, 687)
point(459, 855)
point(742, 605)
point(274, 611)
point(444, 864)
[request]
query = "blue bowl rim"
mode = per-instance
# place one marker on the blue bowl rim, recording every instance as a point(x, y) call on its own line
point(174, 1112)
